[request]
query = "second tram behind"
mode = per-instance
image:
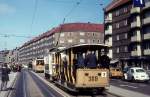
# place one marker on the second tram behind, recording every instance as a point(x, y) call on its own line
point(38, 65)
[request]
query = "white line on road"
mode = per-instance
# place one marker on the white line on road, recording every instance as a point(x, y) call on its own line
point(24, 89)
point(128, 86)
point(142, 85)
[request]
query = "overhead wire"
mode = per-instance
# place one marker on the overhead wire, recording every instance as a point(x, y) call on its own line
point(34, 13)
point(72, 9)
point(13, 35)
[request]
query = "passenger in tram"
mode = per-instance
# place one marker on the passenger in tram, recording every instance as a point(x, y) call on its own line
point(80, 61)
point(91, 60)
point(65, 62)
point(104, 61)
point(64, 71)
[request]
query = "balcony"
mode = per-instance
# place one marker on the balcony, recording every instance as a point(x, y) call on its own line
point(135, 10)
point(108, 32)
point(135, 53)
point(147, 52)
point(146, 36)
point(135, 39)
point(109, 43)
point(147, 5)
point(135, 24)
point(108, 20)
point(146, 20)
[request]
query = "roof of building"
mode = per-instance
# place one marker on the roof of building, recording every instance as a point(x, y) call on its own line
point(70, 27)
point(115, 3)
point(85, 27)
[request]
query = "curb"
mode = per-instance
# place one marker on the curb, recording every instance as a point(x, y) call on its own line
point(114, 94)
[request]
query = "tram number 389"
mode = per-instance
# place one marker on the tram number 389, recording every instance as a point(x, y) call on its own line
point(93, 78)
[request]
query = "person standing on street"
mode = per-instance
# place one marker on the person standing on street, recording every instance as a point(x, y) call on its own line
point(5, 77)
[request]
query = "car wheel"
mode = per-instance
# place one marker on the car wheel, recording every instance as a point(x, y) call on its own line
point(133, 79)
point(123, 78)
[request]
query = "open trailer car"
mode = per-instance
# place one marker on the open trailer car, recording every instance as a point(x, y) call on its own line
point(80, 67)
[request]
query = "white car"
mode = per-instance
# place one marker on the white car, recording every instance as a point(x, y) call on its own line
point(136, 74)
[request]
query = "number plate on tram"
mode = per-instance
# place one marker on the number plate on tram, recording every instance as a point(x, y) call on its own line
point(93, 78)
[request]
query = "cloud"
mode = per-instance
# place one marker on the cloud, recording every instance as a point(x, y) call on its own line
point(6, 9)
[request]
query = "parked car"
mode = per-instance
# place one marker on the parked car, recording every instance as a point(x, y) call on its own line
point(116, 72)
point(136, 74)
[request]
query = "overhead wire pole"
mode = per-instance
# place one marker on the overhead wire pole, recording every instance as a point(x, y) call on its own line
point(61, 26)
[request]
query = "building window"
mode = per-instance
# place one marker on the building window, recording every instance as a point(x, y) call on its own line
point(62, 35)
point(82, 40)
point(147, 46)
point(70, 33)
point(134, 47)
point(88, 40)
point(98, 41)
point(125, 22)
point(93, 40)
point(61, 41)
point(117, 13)
point(117, 25)
point(93, 34)
point(126, 49)
point(117, 37)
point(125, 9)
point(82, 33)
point(126, 35)
point(70, 40)
point(117, 49)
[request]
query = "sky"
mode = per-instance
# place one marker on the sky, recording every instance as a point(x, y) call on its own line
point(21, 20)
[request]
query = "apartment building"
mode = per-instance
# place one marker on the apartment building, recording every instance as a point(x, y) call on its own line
point(125, 30)
point(145, 19)
point(62, 36)
point(11, 57)
point(3, 56)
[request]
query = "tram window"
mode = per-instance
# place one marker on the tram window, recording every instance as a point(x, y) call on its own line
point(40, 62)
point(52, 58)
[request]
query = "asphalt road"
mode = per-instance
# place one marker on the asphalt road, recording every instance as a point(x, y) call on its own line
point(28, 84)
point(140, 87)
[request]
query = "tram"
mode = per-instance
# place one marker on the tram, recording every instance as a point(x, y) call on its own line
point(80, 67)
point(38, 65)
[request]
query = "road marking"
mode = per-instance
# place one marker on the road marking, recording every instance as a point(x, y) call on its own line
point(142, 85)
point(128, 86)
point(24, 89)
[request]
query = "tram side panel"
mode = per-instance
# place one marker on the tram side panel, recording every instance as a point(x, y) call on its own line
point(46, 66)
point(50, 67)
point(34, 65)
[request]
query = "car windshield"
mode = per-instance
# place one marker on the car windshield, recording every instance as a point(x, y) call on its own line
point(140, 70)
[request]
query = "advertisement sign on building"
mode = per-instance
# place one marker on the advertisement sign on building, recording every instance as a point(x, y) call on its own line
point(138, 3)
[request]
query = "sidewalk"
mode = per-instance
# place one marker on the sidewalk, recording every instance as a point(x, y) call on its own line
point(12, 77)
point(124, 93)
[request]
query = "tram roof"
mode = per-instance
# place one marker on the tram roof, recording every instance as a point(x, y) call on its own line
point(86, 45)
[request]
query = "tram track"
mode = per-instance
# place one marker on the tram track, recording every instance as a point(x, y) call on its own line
point(66, 93)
